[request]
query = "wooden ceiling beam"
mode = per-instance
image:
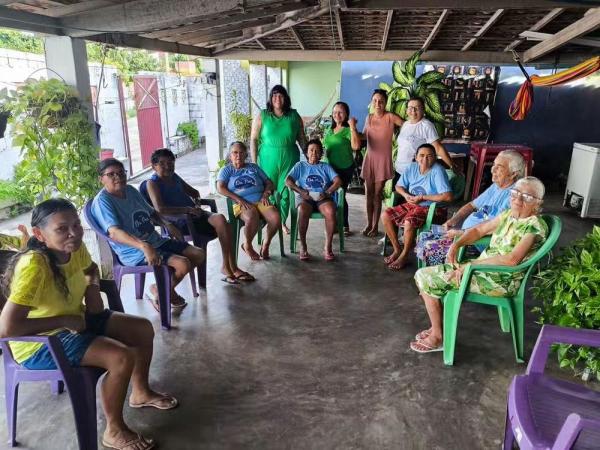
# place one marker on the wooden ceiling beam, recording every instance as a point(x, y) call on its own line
point(486, 26)
point(130, 40)
point(26, 21)
point(259, 42)
point(340, 30)
point(206, 35)
point(298, 38)
point(436, 29)
point(583, 26)
point(537, 36)
point(295, 19)
point(76, 8)
point(482, 5)
point(386, 30)
point(537, 26)
point(218, 21)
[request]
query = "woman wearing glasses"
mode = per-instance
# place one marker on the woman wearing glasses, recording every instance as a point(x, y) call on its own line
point(516, 234)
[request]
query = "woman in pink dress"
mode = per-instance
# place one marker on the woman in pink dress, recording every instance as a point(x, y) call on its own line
point(377, 167)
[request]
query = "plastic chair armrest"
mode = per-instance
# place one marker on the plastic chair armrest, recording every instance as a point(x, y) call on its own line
point(212, 203)
point(292, 199)
point(572, 426)
point(552, 334)
point(53, 344)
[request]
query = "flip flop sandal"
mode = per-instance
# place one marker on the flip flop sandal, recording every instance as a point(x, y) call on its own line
point(230, 279)
point(348, 233)
point(422, 335)
point(156, 403)
point(245, 276)
point(422, 347)
point(178, 306)
point(138, 440)
point(153, 301)
point(329, 256)
point(304, 256)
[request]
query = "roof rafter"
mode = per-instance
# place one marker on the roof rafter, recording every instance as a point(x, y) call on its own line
point(259, 42)
point(537, 26)
point(298, 38)
point(340, 30)
point(131, 40)
point(386, 30)
point(486, 26)
point(482, 5)
point(583, 26)
point(22, 20)
point(435, 30)
point(208, 34)
point(537, 36)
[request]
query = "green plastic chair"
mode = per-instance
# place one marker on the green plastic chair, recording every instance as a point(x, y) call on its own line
point(238, 223)
point(316, 215)
point(511, 310)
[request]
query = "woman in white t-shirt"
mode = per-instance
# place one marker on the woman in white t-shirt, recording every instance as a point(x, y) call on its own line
point(417, 130)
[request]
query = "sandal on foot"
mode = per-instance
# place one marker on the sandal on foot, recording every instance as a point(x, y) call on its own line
point(138, 442)
point(304, 256)
point(347, 232)
point(230, 279)
point(329, 256)
point(423, 347)
point(156, 403)
point(153, 301)
point(245, 276)
point(180, 303)
point(422, 335)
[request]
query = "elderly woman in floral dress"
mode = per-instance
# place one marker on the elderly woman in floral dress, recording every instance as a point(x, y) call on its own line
point(516, 234)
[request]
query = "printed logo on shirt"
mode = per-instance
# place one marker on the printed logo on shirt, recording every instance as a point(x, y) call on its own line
point(142, 223)
point(419, 190)
point(315, 182)
point(244, 182)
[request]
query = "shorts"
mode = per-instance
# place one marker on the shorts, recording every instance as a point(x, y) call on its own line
point(167, 249)
point(74, 344)
point(314, 203)
point(414, 214)
point(237, 209)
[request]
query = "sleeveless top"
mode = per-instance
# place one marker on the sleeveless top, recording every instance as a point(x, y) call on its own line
point(279, 132)
point(173, 194)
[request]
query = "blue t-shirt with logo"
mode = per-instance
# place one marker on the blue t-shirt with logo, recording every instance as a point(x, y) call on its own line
point(247, 182)
point(132, 215)
point(435, 181)
point(313, 177)
point(489, 204)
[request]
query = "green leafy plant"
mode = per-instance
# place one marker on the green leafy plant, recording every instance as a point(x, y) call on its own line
point(569, 292)
point(190, 129)
point(242, 122)
point(59, 155)
point(406, 85)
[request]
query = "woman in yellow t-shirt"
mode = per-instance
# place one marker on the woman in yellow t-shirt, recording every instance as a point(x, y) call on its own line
point(53, 289)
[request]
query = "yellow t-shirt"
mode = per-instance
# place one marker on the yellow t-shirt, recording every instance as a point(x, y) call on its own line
point(33, 285)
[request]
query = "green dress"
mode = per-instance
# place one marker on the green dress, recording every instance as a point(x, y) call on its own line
point(277, 150)
point(338, 148)
point(436, 281)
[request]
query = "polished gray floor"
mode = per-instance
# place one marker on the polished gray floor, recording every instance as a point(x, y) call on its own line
point(312, 356)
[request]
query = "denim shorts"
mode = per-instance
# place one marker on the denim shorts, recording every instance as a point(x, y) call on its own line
point(74, 344)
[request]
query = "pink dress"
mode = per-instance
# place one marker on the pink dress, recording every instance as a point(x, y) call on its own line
point(377, 165)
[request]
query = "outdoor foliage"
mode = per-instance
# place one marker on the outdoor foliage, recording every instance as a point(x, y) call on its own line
point(406, 85)
point(59, 156)
point(242, 122)
point(22, 42)
point(569, 292)
point(10, 191)
point(190, 129)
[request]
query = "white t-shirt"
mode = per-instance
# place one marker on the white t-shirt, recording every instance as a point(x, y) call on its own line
point(411, 136)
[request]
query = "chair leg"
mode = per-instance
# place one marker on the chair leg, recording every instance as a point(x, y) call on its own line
point(162, 275)
point(509, 437)
point(236, 238)
point(385, 243)
point(12, 400)
point(202, 270)
point(192, 276)
point(293, 231)
point(140, 281)
point(57, 387)
point(451, 312)
point(259, 233)
point(518, 325)
point(118, 278)
point(340, 225)
point(83, 400)
point(281, 248)
point(504, 319)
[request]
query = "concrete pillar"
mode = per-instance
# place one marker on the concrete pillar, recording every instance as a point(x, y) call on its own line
point(66, 59)
point(258, 87)
point(213, 121)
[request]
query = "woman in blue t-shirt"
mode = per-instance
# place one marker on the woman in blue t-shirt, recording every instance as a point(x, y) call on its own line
point(314, 183)
point(250, 188)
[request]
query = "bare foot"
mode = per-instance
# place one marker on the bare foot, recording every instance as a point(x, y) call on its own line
point(398, 264)
point(366, 230)
point(251, 252)
point(286, 230)
point(393, 257)
point(264, 251)
point(373, 232)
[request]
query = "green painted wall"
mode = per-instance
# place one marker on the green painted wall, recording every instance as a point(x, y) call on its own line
point(311, 84)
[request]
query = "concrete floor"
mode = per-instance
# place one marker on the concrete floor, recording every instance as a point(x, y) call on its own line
point(311, 356)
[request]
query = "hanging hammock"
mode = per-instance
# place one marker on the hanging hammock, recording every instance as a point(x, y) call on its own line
point(521, 105)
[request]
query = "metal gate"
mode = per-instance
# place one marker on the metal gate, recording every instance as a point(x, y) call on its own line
point(145, 89)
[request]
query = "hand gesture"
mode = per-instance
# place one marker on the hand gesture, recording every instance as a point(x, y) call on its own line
point(352, 123)
point(323, 196)
point(305, 195)
point(151, 256)
point(244, 204)
point(413, 199)
point(175, 232)
point(454, 233)
point(265, 199)
point(452, 254)
point(24, 235)
point(75, 324)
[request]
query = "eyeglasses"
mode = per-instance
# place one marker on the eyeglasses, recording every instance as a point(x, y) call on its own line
point(413, 108)
point(527, 198)
point(117, 174)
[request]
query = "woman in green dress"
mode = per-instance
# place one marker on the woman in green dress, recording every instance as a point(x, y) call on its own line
point(516, 234)
point(339, 151)
point(275, 132)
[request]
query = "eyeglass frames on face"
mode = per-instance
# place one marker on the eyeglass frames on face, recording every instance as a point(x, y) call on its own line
point(117, 174)
point(527, 198)
point(413, 108)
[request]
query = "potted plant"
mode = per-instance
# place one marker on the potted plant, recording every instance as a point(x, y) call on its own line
point(568, 290)
point(59, 155)
point(242, 122)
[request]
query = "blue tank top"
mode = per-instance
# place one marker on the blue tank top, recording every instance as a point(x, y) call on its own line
point(173, 194)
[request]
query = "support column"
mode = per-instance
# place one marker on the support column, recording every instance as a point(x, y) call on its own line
point(258, 88)
point(213, 122)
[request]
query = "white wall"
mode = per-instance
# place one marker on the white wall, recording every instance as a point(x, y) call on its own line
point(174, 107)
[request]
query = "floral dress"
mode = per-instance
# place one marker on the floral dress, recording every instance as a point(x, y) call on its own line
point(436, 281)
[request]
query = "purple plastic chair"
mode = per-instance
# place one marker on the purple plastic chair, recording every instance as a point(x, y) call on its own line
point(190, 234)
point(548, 413)
point(80, 382)
point(162, 273)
